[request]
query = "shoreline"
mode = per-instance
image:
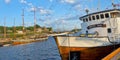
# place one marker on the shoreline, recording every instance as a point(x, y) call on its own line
point(7, 42)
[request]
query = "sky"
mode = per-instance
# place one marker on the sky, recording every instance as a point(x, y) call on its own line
point(58, 14)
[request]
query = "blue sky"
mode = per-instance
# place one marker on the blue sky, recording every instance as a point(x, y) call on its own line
point(59, 14)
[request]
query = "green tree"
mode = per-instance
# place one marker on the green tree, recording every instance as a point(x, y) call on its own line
point(37, 26)
point(31, 28)
point(19, 27)
point(50, 28)
point(1, 29)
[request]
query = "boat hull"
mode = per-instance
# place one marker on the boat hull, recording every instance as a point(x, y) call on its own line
point(85, 53)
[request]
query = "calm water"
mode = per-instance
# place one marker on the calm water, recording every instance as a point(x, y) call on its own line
point(46, 50)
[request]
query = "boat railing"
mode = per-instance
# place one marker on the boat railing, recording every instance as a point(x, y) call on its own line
point(114, 39)
point(64, 40)
point(117, 37)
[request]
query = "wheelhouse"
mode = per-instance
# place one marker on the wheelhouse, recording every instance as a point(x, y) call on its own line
point(101, 22)
point(101, 15)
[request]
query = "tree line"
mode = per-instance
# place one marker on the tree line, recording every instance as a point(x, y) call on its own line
point(20, 28)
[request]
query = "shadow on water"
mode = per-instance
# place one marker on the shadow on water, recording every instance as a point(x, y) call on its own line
point(46, 50)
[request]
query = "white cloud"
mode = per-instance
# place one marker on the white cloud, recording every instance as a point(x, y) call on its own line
point(51, 0)
point(23, 1)
point(30, 4)
point(41, 10)
point(7, 1)
point(69, 17)
point(79, 7)
point(68, 1)
point(44, 11)
point(33, 9)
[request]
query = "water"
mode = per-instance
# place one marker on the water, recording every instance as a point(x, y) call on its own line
point(46, 50)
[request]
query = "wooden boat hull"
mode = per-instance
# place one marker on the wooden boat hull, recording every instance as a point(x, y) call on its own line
point(92, 53)
point(85, 53)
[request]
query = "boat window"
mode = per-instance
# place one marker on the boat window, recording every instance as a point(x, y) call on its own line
point(86, 19)
point(97, 16)
point(106, 15)
point(118, 15)
point(109, 30)
point(102, 16)
point(83, 20)
point(93, 17)
point(114, 14)
point(89, 18)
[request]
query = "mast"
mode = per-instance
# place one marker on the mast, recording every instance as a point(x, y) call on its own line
point(5, 28)
point(34, 21)
point(23, 20)
point(14, 28)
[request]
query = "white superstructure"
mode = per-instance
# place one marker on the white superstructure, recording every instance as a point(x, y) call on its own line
point(103, 23)
point(98, 29)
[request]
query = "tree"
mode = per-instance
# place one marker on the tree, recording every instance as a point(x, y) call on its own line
point(1, 29)
point(31, 28)
point(37, 26)
point(50, 28)
point(19, 27)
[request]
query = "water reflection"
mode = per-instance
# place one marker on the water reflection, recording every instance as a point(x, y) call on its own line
point(46, 50)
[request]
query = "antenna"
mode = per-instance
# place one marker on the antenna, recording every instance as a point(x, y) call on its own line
point(114, 6)
point(98, 5)
point(87, 11)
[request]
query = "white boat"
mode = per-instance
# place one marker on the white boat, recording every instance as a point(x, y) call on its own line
point(100, 35)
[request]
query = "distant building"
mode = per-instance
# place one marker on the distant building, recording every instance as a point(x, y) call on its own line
point(9, 31)
point(39, 30)
point(20, 32)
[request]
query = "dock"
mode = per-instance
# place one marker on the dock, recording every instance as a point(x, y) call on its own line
point(115, 55)
point(10, 42)
point(24, 41)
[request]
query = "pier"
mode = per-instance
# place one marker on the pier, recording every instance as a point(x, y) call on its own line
point(115, 55)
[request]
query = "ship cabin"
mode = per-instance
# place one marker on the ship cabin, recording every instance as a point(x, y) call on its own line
point(102, 24)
